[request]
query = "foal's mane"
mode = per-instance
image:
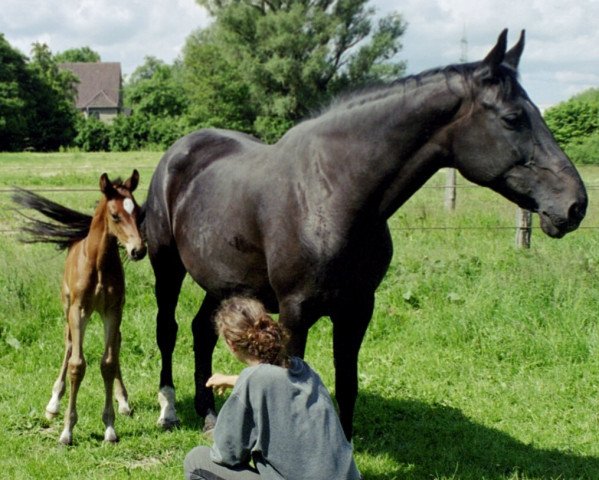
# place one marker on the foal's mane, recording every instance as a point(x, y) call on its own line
point(68, 226)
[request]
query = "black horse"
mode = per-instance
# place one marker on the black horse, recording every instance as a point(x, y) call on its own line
point(302, 224)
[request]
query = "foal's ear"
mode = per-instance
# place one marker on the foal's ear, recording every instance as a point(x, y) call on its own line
point(512, 57)
point(490, 65)
point(106, 186)
point(132, 182)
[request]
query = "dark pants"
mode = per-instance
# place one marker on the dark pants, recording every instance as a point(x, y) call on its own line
point(199, 466)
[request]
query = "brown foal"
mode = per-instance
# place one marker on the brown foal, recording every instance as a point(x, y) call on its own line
point(93, 282)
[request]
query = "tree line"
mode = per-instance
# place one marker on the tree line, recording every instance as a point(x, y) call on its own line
point(260, 67)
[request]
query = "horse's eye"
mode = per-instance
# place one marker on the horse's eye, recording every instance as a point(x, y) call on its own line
point(512, 120)
point(116, 217)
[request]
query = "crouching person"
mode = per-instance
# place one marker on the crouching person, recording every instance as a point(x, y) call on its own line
point(279, 423)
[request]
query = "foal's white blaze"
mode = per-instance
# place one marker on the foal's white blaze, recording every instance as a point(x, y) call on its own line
point(128, 205)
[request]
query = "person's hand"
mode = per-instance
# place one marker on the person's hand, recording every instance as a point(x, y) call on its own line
point(220, 383)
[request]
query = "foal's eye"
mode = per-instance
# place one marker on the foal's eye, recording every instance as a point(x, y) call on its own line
point(116, 217)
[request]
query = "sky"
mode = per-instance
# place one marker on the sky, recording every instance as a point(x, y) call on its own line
point(561, 57)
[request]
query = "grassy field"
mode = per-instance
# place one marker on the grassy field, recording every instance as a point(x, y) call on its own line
point(481, 361)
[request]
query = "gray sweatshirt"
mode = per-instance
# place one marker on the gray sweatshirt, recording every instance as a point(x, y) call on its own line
point(283, 419)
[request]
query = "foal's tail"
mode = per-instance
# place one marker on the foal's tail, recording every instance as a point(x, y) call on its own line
point(68, 227)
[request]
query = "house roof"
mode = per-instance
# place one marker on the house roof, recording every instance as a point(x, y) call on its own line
point(99, 84)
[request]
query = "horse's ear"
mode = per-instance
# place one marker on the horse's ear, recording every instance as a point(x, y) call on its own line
point(106, 186)
point(512, 56)
point(490, 65)
point(132, 182)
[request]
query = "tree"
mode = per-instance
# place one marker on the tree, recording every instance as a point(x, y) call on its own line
point(154, 89)
point(289, 57)
point(36, 100)
point(575, 119)
point(72, 55)
point(575, 125)
point(14, 121)
point(53, 98)
point(217, 92)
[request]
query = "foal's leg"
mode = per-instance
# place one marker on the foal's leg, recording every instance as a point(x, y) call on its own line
point(59, 387)
point(76, 368)
point(350, 322)
point(204, 341)
point(110, 366)
point(120, 392)
point(169, 273)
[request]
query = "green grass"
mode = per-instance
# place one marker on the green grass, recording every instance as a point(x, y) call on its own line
point(481, 361)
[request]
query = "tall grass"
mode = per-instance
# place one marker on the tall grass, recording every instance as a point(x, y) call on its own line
point(480, 361)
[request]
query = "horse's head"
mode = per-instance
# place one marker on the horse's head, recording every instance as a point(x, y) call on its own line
point(122, 213)
point(500, 140)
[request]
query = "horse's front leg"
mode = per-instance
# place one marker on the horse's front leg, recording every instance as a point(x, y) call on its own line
point(76, 365)
point(298, 322)
point(204, 341)
point(169, 273)
point(350, 321)
point(59, 387)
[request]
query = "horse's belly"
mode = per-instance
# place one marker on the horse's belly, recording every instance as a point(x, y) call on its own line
point(224, 265)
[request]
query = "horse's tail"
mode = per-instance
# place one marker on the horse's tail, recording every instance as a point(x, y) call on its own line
point(68, 227)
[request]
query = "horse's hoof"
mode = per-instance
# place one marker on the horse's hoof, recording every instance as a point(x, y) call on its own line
point(168, 423)
point(110, 436)
point(209, 424)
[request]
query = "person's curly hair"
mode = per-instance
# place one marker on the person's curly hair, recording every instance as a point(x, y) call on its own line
point(246, 324)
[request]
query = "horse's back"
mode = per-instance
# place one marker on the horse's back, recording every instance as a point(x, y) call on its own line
point(184, 162)
point(198, 150)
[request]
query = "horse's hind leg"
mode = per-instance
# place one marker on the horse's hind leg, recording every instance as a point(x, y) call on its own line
point(59, 387)
point(76, 368)
point(204, 341)
point(110, 366)
point(169, 273)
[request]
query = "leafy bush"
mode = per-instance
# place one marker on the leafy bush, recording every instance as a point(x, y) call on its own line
point(573, 120)
point(92, 135)
point(586, 151)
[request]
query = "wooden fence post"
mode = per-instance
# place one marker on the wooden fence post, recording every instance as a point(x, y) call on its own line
point(523, 228)
point(450, 189)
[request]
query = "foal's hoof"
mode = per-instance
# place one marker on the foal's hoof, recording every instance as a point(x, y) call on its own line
point(66, 438)
point(125, 410)
point(50, 415)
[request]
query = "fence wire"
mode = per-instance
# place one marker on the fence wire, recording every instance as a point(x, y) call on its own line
point(4, 230)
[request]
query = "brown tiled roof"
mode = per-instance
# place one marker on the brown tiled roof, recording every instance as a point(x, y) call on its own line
point(99, 84)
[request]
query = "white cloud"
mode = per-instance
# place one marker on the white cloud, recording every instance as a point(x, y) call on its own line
point(120, 30)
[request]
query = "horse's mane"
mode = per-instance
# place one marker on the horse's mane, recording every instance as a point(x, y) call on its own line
point(381, 90)
point(68, 227)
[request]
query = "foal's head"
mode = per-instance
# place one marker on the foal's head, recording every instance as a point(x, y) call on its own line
point(122, 213)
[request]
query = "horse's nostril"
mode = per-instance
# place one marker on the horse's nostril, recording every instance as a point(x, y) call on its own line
point(577, 211)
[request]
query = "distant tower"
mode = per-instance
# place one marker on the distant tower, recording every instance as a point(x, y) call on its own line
point(464, 47)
